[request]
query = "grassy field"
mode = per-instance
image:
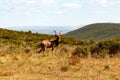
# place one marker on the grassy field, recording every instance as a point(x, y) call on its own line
point(57, 65)
point(72, 60)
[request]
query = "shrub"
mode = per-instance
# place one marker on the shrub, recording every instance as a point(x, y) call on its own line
point(106, 67)
point(65, 49)
point(81, 51)
point(27, 50)
point(99, 50)
point(74, 60)
point(65, 67)
point(114, 49)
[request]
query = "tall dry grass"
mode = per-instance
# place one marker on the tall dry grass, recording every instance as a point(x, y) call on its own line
point(26, 64)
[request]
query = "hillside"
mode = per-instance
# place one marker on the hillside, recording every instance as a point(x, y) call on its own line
point(76, 60)
point(96, 31)
point(19, 59)
point(21, 38)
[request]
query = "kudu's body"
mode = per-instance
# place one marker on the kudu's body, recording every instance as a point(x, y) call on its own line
point(50, 43)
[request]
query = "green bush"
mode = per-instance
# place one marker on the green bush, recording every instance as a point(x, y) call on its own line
point(21, 39)
point(81, 51)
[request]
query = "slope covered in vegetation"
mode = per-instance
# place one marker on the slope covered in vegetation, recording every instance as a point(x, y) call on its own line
point(72, 60)
point(96, 31)
point(15, 41)
point(21, 38)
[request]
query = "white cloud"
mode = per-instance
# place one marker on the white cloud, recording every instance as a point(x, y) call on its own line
point(47, 2)
point(37, 2)
point(72, 5)
point(34, 6)
point(31, 1)
point(105, 3)
point(26, 13)
point(22, 4)
point(59, 12)
point(114, 2)
point(16, 2)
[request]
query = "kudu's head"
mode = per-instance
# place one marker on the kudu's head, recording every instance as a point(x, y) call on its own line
point(58, 36)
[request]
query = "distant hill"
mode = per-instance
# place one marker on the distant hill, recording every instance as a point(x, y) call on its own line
point(96, 31)
point(42, 29)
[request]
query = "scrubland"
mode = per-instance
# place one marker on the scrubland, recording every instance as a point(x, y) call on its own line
point(57, 65)
point(72, 60)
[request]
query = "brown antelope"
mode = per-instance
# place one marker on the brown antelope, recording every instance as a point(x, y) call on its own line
point(51, 43)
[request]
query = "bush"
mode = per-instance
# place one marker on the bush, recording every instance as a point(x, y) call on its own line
point(74, 60)
point(27, 50)
point(108, 47)
point(65, 49)
point(81, 51)
point(114, 49)
point(65, 67)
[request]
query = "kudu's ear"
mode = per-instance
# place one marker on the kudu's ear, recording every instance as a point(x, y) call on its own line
point(60, 33)
point(55, 33)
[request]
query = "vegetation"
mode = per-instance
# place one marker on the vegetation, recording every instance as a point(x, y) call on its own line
point(14, 41)
point(98, 31)
point(72, 60)
point(57, 67)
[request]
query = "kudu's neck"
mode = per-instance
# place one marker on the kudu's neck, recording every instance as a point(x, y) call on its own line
point(56, 41)
point(57, 38)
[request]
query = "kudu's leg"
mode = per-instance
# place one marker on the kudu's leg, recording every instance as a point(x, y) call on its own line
point(44, 50)
point(52, 48)
point(40, 50)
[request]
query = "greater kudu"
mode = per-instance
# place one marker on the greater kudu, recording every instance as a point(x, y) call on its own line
point(51, 43)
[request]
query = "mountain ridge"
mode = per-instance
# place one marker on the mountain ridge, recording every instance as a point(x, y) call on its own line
point(96, 31)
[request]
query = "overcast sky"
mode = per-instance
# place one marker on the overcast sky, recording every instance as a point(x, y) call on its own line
point(58, 12)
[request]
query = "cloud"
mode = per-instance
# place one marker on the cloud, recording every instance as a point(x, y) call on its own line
point(105, 3)
point(114, 2)
point(30, 6)
point(59, 12)
point(37, 2)
point(18, 2)
point(47, 2)
point(72, 5)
